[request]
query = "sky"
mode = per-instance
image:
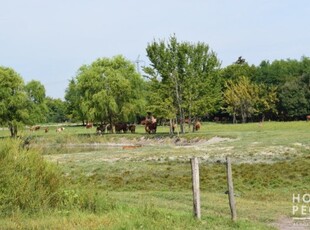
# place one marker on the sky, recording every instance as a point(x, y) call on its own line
point(48, 40)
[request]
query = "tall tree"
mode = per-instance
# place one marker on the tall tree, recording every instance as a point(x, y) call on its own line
point(236, 70)
point(188, 71)
point(266, 101)
point(107, 90)
point(294, 97)
point(36, 95)
point(19, 103)
point(160, 101)
point(240, 97)
point(57, 110)
point(75, 110)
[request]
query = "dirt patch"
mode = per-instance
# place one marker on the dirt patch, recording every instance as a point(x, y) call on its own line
point(285, 223)
point(213, 150)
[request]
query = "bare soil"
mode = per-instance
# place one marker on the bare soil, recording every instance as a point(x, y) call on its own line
point(285, 223)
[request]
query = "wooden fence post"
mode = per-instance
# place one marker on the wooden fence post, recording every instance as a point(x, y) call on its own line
point(231, 190)
point(196, 189)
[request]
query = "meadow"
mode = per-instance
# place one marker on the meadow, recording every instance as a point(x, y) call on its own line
point(143, 181)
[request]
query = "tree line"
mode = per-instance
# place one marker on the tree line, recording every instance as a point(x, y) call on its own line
point(184, 81)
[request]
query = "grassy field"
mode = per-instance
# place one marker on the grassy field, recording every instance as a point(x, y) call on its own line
point(143, 181)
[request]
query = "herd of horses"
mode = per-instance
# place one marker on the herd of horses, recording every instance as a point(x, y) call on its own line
point(150, 125)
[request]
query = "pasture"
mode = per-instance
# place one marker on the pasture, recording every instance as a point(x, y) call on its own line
point(143, 181)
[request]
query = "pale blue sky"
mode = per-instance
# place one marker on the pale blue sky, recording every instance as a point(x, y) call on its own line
point(48, 40)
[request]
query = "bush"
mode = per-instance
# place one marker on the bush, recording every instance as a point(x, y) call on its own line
point(29, 184)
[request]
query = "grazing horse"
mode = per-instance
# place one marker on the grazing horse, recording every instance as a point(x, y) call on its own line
point(132, 128)
point(119, 127)
point(151, 127)
point(308, 117)
point(35, 128)
point(101, 129)
point(109, 128)
point(89, 125)
point(197, 126)
point(60, 129)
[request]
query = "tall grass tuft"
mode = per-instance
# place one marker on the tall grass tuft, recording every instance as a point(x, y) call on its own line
point(29, 185)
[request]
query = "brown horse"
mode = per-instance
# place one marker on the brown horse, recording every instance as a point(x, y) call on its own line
point(151, 127)
point(308, 117)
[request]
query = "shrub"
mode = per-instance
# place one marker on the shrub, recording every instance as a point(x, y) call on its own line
point(29, 184)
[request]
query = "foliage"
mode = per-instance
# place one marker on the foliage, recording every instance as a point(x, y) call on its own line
point(28, 183)
point(187, 72)
point(31, 185)
point(107, 90)
point(13, 100)
point(234, 71)
point(37, 103)
point(241, 97)
point(56, 110)
point(291, 77)
point(294, 98)
point(75, 107)
point(267, 101)
point(159, 101)
point(244, 98)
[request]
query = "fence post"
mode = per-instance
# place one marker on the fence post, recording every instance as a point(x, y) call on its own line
point(231, 190)
point(196, 190)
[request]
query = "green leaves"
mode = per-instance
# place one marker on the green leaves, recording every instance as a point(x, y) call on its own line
point(244, 98)
point(185, 74)
point(107, 90)
point(20, 104)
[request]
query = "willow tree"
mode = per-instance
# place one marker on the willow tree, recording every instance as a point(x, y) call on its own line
point(108, 90)
point(189, 73)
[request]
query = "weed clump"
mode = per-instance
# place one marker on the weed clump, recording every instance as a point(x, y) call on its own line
point(28, 184)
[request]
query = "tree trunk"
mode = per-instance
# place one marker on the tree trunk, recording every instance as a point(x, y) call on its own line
point(13, 129)
point(111, 123)
point(190, 122)
point(171, 132)
point(194, 123)
point(263, 117)
point(179, 102)
point(234, 118)
point(244, 116)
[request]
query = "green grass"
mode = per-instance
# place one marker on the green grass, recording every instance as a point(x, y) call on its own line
point(150, 187)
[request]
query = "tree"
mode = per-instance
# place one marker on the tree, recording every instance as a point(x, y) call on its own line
point(236, 70)
point(107, 90)
point(36, 95)
point(19, 103)
point(160, 101)
point(240, 98)
point(75, 110)
point(188, 72)
point(294, 97)
point(278, 72)
point(267, 100)
point(56, 110)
